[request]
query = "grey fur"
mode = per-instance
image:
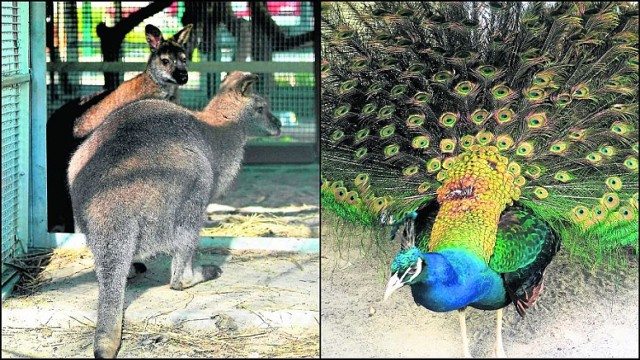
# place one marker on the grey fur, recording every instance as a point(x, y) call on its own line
point(140, 184)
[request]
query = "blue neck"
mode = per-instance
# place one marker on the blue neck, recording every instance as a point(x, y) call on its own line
point(457, 278)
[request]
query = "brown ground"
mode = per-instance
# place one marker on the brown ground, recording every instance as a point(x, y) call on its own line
point(579, 314)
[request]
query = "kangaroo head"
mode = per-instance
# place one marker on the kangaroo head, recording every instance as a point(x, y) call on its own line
point(168, 60)
point(256, 112)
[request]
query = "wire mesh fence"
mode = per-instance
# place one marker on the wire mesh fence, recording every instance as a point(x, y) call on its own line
point(272, 39)
point(15, 116)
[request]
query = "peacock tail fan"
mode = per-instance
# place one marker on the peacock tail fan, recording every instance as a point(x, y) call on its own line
point(536, 102)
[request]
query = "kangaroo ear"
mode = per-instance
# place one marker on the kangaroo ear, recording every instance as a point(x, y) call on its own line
point(182, 36)
point(154, 37)
point(246, 83)
point(239, 81)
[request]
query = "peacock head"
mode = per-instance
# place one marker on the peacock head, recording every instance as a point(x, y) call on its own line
point(407, 268)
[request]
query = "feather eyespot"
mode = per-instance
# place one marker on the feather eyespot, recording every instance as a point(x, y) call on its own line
point(348, 85)
point(422, 97)
point(386, 111)
point(420, 142)
point(448, 119)
point(563, 100)
point(361, 152)
point(464, 88)
point(563, 176)
point(541, 193)
point(337, 135)
point(484, 137)
point(398, 90)
point(342, 110)
point(466, 141)
point(369, 108)
point(610, 200)
point(487, 70)
point(387, 131)
point(500, 92)
point(433, 165)
point(362, 134)
point(614, 183)
point(415, 120)
point(504, 115)
point(631, 163)
point(479, 116)
point(579, 213)
point(391, 150)
point(442, 76)
point(361, 179)
point(447, 145)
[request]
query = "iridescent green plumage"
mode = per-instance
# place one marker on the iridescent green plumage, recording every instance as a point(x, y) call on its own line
point(409, 87)
point(488, 132)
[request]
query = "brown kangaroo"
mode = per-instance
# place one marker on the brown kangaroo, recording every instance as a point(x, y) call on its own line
point(141, 181)
point(165, 71)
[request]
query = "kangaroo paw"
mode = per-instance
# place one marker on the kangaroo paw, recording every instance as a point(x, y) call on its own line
point(135, 269)
point(106, 345)
point(200, 274)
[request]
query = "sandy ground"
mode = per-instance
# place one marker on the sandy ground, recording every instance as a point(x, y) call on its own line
point(264, 304)
point(579, 314)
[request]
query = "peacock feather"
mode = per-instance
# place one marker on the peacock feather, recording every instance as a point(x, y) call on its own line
point(488, 131)
point(489, 104)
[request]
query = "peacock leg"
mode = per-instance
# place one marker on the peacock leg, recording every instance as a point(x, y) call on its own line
point(463, 330)
point(498, 350)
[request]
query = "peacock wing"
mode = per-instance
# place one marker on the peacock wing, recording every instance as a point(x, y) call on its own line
point(525, 245)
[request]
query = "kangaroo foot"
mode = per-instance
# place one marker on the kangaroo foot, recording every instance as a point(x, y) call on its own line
point(200, 274)
point(135, 269)
point(106, 345)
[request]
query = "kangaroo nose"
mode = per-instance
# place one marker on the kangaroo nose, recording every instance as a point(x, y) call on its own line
point(181, 76)
point(182, 79)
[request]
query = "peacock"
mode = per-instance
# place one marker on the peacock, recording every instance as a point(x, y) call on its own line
point(489, 132)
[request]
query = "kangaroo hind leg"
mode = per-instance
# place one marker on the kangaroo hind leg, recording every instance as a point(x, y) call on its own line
point(183, 273)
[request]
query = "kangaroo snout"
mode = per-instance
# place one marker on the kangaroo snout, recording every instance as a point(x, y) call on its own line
point(277, 125)
point(181, 76)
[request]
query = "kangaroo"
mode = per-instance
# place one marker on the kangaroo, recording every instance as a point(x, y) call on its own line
point(141, 182)
point(165, 71)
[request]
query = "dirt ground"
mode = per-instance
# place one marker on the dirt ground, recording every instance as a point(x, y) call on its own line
point(265, 304)
point(579, 314)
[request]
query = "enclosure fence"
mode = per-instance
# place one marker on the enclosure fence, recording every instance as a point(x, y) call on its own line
point(97, 45)
point(15, 135)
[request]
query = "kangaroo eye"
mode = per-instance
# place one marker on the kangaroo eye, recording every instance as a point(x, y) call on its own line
point(165, 62)
point(260, 110)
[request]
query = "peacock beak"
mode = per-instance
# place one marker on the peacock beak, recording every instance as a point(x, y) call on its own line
point(394, 284)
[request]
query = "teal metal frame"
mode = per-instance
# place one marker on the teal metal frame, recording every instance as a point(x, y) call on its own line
point(32, 216)
point(38, 234)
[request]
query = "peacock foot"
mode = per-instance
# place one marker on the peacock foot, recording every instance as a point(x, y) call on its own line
point(498, 352)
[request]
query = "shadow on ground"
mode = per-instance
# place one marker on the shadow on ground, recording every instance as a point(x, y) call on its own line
point(264, 304)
